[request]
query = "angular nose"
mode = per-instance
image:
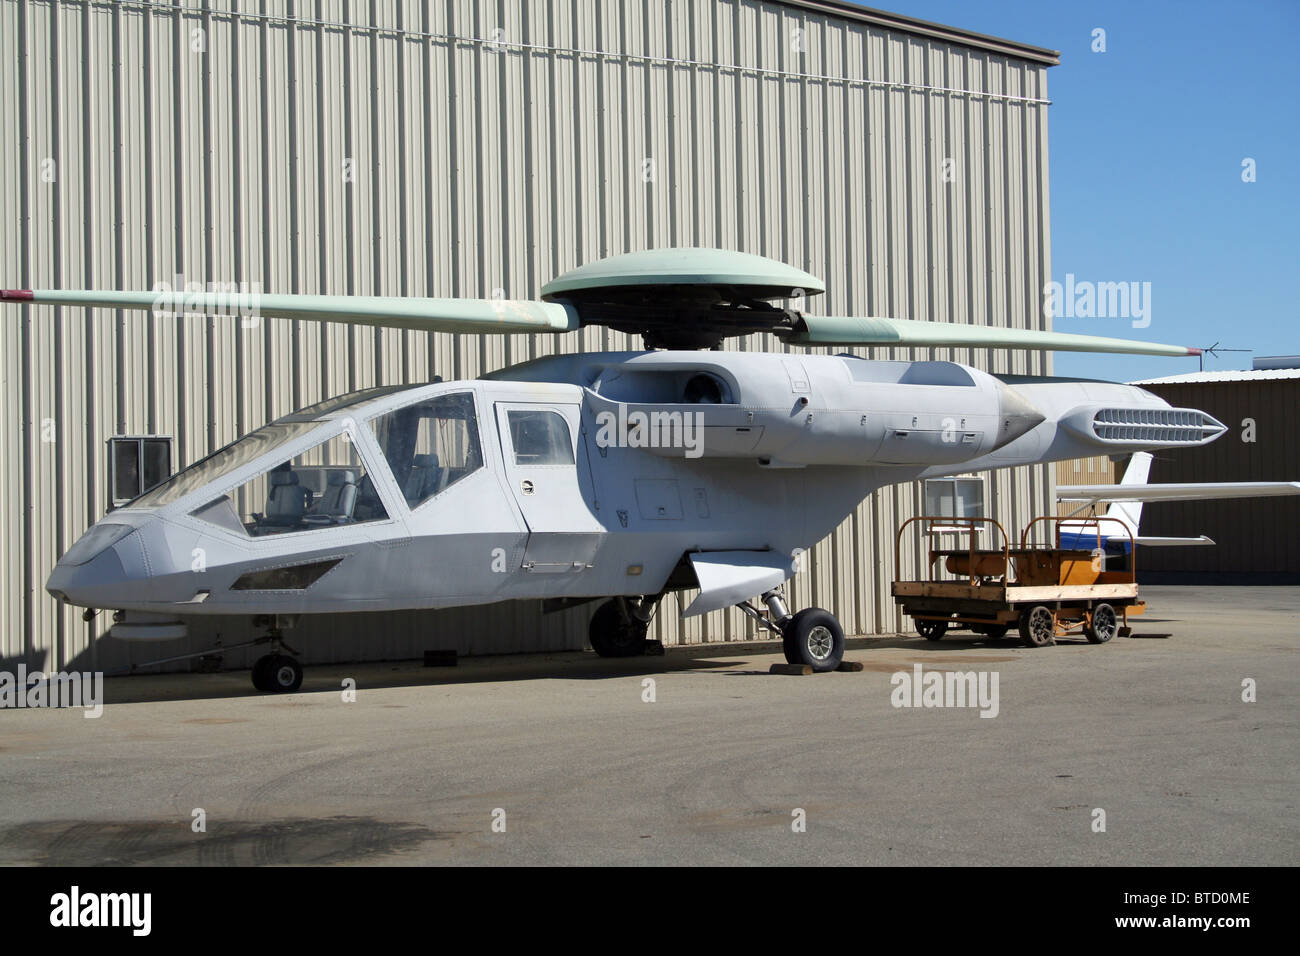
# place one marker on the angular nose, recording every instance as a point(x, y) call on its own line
point(93, 584)
point(94, 571)
point(1017, 415)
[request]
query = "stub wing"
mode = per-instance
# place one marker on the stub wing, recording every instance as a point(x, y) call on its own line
point(729, 577)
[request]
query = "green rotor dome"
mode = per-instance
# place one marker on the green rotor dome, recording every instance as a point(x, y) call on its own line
point(756, 277)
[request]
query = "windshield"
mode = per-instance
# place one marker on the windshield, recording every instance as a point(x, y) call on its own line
point(220, 463)
point(321, 487)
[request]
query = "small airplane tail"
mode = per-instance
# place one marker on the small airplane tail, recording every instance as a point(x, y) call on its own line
point(1117, 529)
point(1130, 512)
point(1126, 498)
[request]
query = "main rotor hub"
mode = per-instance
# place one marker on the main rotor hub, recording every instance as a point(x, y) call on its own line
point(756, 276)
point(684, 298)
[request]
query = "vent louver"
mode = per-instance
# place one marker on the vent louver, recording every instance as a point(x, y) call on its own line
point(296, 577)
point(1170, 426)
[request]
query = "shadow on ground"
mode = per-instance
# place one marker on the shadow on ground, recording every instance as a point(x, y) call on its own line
point(750, 658)
point(340, 839)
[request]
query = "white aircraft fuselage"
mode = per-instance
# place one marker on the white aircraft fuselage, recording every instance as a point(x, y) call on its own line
point(578, 476)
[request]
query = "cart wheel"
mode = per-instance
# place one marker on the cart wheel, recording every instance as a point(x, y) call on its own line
point(994, 632)
point(1104, 625)
point(932, 630)
point(1038, 626)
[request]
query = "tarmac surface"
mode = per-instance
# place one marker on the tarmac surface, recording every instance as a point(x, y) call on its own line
point(564, 752)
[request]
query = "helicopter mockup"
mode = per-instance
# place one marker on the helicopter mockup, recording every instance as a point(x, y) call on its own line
point(620, 476)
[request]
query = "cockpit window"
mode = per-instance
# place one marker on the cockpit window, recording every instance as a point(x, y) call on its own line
point(540, 437)
point(431, 445)
point(220, 463)
point(324, 487)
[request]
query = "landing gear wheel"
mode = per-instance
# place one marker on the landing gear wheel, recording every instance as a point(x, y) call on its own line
point(1104, 626)
point(612, 636)
point(284, 673)
point(262, 672)
point(994, 632)
point(813, 637)
point(932, 630)
point(1038, 626)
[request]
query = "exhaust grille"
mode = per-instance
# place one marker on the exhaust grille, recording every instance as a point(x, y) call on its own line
point(1168, 426)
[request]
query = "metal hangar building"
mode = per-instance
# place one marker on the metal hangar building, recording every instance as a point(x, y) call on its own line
point(470, 149)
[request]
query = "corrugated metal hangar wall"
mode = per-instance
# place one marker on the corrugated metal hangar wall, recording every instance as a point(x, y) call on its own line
point(453, 149)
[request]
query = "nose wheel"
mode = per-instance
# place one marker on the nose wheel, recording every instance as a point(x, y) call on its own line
point(277, 672)
point(619, 627)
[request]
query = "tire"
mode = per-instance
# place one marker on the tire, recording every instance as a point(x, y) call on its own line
point(813, 637)
point(1104, 625)
point(1038, 626)
point(262, 673)
point(611, 636)
point(994, 632)
point(284, 674)
point(932, 630)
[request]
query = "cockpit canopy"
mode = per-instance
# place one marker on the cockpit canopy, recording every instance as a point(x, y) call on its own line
point(425, 447)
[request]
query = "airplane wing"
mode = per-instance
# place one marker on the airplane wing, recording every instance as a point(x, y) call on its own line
point(1157, 542)
point(1186, 491)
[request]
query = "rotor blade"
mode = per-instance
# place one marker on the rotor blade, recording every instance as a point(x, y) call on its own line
point(389, 312)
point(853, 330)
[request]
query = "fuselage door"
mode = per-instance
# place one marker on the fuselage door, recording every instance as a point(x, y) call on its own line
point(540, 447)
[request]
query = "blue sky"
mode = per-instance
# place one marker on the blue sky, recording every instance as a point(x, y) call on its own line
point(1146, 151)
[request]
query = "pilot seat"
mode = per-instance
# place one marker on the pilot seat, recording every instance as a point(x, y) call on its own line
point(424, 480)
point(336, 502)
point(287, 500)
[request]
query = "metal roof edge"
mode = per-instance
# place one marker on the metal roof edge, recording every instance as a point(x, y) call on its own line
point(938, 31)
point(1224, 375)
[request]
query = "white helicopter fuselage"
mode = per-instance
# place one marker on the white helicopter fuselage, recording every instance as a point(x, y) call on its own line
point(578, 476)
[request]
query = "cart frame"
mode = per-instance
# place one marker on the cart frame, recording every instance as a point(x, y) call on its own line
point(989, 596)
